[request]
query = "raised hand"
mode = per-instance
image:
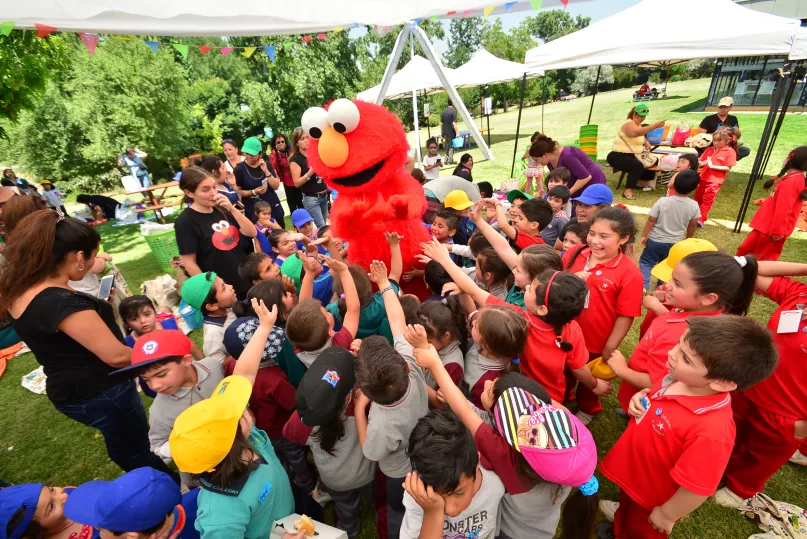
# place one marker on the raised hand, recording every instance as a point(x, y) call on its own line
point(267, 317)
point(378, 272)
point(416, 336)
point(393, 238)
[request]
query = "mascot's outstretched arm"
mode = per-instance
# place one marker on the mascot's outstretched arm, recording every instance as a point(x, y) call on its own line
point(360, 149)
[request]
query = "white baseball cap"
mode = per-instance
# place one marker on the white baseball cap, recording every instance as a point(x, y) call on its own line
point(725, 102)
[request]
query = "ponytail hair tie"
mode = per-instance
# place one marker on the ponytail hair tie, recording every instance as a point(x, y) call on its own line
point(741, 260)
point(341, 296)
point(590, 487)
point(548, 286)
point(516, 361)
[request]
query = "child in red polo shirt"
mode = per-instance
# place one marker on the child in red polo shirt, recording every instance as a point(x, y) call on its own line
point(771, 417)
point(716, 161)
point(531, 217)
point(680, 436)
point(708, 283)
point(614, 292)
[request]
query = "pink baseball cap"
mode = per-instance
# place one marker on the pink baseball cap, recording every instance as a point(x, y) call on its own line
point(553, 441)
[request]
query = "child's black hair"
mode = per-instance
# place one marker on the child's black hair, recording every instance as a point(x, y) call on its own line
point(450, 217)
point(411, 308)
point(321, 231)
point(442, 451)
point(248, 269)
point(538, 211)
point(271, 292)
point(485, 189)
point(436, 277)
point(260, 207)
point(559, 173)
point(560, 191)
point(445, 316)
point(580, 230)
point(567, 297)
point(275, 237)
point(131, 306)
point(717, 273)
point(693, 161)
point(140, 371)
point(796, 160)
point(489, 261)
point(686, 181)
point(477, 242)
point(621, 220)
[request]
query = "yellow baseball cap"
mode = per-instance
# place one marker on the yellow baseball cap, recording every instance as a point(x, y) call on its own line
point(457, 200)
point(663, 270)
point(204, 433)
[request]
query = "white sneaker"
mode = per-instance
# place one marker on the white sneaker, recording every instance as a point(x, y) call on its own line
point(320, 496)
point(799, 458)
point(584, 418)
point(609, 508)
point(727, 498)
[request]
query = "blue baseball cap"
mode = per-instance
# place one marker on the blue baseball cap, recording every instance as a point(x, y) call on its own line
point(300, 217)
point(12, 499)
point(135, 501)
point(596, 194)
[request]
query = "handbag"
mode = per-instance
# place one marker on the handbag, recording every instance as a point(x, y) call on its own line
point(645, 157)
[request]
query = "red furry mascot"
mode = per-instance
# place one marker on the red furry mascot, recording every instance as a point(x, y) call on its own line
point(360, 149)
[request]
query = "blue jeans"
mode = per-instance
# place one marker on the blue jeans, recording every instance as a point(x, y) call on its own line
point(317, 206)
point(145, 180)
point(119, 414)
point(654, 253)
point(743, 151)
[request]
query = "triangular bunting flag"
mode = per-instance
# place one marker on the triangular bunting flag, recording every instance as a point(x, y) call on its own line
point(355, 25)
point(417, 21)
point(488, 10)
point(90, 41)
point(465, 13)
point(204, 49)
point(536, 4)
point(248, 51)
point(270, 52)
point(226, 50)
point(434, 17)
point(451, 13)
point(153, 45)
point(322, 37)
point(288, 45)
point(43, 30)
point(338, 29)
point(306, 39)
point(182, 48)
point(121, 38)
point(6, 27)
point(508, 5)
point(565, 3)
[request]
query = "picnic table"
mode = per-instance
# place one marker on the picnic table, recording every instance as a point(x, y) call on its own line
point(156, 202)
point(666, 147)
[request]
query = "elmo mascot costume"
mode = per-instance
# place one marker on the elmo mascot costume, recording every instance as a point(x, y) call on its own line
point(360, 150)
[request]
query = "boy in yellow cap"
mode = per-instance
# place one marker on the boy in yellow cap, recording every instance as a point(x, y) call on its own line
point(459, 203)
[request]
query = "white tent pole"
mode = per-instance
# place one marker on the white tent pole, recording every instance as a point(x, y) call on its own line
point(415, 112)
point(392, 65)
point(428, 50)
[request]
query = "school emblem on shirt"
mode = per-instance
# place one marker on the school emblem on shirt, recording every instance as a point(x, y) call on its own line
point(332, 377)
point(150, 347)
point(661, 425)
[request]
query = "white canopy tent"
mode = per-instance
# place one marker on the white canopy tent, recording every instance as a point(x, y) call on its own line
point(483, 69)
point(416, 76)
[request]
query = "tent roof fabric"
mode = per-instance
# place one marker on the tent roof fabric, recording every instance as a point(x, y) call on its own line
point(483, 68)
point(416, 75)
point(721, 29)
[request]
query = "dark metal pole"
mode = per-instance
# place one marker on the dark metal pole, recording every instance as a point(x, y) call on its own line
point(518, 125)
point(596, 83)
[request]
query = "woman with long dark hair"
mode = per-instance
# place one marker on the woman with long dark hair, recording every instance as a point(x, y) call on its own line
point(74, 335)
point(231, 159)
point(582, 169)
point(279, 159)
point(463, 170)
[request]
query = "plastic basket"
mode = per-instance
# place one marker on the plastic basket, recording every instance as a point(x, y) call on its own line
point(584, 140)
point(655, 136)
point(191, 316)
point(589, 130)
point(458, 142)
point(164, 248)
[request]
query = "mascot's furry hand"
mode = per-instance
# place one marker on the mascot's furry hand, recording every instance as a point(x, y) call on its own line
point(360, 149)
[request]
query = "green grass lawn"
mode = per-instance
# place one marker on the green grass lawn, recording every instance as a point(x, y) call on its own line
point(39, 444)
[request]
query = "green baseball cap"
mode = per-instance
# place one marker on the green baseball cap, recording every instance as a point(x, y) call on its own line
point(252, 146)
point(195, 290)
point(512, 195)
point(641, 109)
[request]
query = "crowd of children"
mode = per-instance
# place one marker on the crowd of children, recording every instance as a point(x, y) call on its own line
point(451, 416)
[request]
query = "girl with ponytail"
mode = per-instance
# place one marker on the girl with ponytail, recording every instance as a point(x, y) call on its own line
point(448, 333)
point(707, 283)
point(776, 218)
point(716, 161)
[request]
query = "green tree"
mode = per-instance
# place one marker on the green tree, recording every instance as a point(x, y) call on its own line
point(464, 39)
point(550, 25)
point(511, 46)
point(585, 78)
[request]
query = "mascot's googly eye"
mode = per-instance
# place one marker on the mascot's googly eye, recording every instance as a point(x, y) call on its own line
point(315, 122)
point(216, 227)
point(343, 115)
point(224, 225)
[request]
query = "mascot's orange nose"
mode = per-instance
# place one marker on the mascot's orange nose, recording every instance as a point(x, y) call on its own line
point(333, 148)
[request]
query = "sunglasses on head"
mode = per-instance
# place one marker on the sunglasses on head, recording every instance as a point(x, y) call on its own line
point(432, 147)
point(228, 141)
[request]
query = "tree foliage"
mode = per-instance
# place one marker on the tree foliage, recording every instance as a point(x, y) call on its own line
point(586, 78)
point(464, 39)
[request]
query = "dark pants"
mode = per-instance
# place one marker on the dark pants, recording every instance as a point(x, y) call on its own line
point(294, 197)
point(389, 505)
point(628, 162)
point(304, 504)
point(347, 506)
point(654, 253)
point(743, 151)
point(292, 457)
point(119, 414)
point(448, 142)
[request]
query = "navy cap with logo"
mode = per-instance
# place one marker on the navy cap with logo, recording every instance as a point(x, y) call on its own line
point(324, 387)
point(134, 502)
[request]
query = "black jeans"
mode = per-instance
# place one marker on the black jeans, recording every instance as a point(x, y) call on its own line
point(119, 414)
point(294, 197)
point(628, 162)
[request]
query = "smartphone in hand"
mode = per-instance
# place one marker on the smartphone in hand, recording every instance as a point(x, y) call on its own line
point(106, 286)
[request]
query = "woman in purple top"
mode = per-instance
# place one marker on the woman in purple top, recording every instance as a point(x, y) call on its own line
point(584, 171)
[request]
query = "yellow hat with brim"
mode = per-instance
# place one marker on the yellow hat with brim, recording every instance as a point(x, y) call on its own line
point(46, 182)
point(203, 434)
point(663, 270)
point(599, 369)
point(457, 200)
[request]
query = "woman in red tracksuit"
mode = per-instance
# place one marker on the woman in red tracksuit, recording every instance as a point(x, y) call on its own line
point(776, 218)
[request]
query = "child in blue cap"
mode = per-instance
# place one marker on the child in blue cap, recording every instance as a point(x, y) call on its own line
point(37, 510)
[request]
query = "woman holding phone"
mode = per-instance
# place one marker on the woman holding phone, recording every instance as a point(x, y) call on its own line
point(315, 192)
point(257, 180)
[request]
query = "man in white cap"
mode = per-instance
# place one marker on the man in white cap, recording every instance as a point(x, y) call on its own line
point(712, 123)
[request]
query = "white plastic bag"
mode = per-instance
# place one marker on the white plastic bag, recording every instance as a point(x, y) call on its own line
point(125, 214)
point(668, 162)
point(154, 228)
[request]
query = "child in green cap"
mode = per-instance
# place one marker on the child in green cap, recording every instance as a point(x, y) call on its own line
point(212, 298)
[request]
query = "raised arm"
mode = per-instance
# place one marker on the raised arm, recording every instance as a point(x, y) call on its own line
point(396, 259)
point(313, 269)
point(437, 252)
point(395, 314)
point(250, 358)
point(351, 320)
point(499, 244)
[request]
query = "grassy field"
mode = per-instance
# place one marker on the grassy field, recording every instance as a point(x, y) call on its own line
point(43, 445)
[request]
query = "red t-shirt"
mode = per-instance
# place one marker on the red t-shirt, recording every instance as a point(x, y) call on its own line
point(524, 240)
point(650, 355)
point(542, 359)
point(779, 212)
point(272, 399)
point(615, 289)
point(502, 459)
point(681, 441)
point(785, 392)
point(724, 157)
